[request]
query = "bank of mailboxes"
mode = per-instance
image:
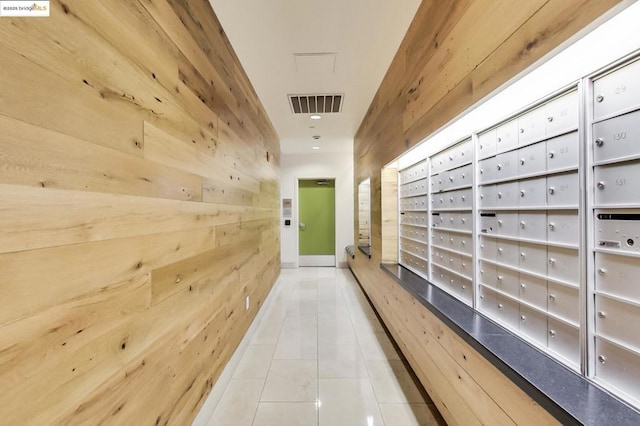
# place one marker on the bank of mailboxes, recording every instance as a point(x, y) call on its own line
point(529, 232)
point(555, 117)
point(615, 146)
point(413, 202)
point(451, 202)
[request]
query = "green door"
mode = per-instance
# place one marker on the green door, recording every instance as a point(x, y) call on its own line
point(316, 222)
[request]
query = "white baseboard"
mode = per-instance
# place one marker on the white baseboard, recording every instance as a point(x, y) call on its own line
point(321, 260)
point(288, 265)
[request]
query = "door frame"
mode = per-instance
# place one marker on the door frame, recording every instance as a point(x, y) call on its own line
point(297, 215)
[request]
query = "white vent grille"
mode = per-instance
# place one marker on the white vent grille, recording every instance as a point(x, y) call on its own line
point(316, 104)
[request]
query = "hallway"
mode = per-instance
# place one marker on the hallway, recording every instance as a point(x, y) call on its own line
point(319, 356)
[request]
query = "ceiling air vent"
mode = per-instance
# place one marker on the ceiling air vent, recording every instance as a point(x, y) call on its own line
point(315, 104)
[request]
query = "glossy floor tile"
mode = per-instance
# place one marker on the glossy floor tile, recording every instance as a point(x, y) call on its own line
point(319, 356)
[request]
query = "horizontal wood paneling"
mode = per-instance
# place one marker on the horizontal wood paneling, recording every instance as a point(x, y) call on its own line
point(453, 55)
point(138, 209)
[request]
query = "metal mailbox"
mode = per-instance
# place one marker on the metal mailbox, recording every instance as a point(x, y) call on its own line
point(617, 366)
point(533, 324)
point(532, 126)
point(487, 196)
point(507, 224)
point(487, 144)
point(563, 190)
point(487, 169)
point(617, 138)
point(488, 223)
point(564, 339)
point(563, 302)
point(562, 152)
point(532, 192)
point(533, 258)
point(614, 320)
point(618, 276)
point(532, 225)
point(507, 252)
point(508, 312)
point(617, 184)
point(563, 227)
point(507, 136)
point(533, 290)
point(507, 165)
point(563, 264)
point(488, 248)
point(507, 194)
point(488, 274)
point(508, 281)
point(532, 159)
point(562, 114)
point(617, 92)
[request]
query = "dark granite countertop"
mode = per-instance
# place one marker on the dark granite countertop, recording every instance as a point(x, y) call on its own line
point(569, 397)
point(366, 250)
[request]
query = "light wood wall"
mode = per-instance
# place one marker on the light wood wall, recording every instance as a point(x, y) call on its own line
point(139, 186)
point(455, 53)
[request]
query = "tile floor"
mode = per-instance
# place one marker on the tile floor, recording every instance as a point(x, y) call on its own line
point(319, 356)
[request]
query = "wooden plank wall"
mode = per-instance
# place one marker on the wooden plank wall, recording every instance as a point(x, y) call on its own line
point(139, 186)
point(455, 53)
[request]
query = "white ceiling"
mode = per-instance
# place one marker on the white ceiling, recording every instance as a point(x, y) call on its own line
point(364, 35)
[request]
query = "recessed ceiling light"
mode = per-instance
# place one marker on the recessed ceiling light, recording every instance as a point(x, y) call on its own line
point(316, 137)
point(315, 116)
point(315, 147)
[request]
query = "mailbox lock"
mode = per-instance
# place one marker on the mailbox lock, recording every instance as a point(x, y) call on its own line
point(522, 161)
point(600, 185)
point(522, 286)
point(522, 224)
point(600, 98)
point(450, 158)
point(599, 142)
point(602, 271)
point(552, 333)
point(499, 194)
point(451, 178)
point(522, 317)
point(500, 222)
point(499, 139)
point(552, 297)
point(551, 154)
point(602, 315)
point(463, 220)
point(450, 220)
point(552, 261)
point(549, 119)
point(522, 193)
point(481, 171)
point(521, 130)
point(463, 198)
point(500, 250)
point(500, 306)
point(481, 196)
point(464, 287)
point(552, 226)
point(522, 256)
point(499, 277)
point(552, 190)
point(499, 166)
point(602, 359)
point(451, 199)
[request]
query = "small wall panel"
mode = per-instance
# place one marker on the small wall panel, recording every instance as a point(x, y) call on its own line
point(139, 203)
